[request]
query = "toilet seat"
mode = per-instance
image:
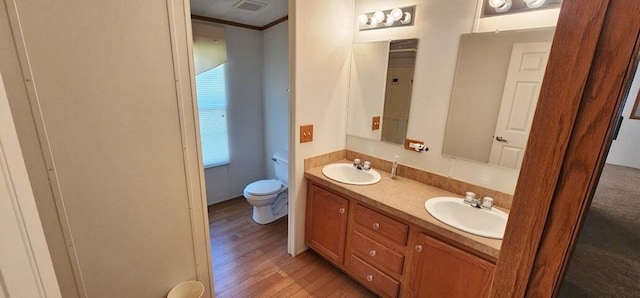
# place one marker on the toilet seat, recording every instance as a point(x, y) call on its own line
point(264, 187)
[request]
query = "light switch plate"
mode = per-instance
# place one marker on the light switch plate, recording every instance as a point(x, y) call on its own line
point(306, 133)
point(375, 123)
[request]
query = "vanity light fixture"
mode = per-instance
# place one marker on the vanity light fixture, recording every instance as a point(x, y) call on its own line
point(534, 3)
point(401, 16)
point(494, 7)
point(501, 5)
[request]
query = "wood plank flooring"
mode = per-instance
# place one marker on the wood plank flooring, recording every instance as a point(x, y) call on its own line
point(251, 260)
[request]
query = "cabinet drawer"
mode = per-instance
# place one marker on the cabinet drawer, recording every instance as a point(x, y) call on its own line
point(373, 278)
point(377, 254)
point(381, 225)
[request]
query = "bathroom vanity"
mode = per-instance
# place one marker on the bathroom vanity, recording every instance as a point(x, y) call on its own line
point(382, 236)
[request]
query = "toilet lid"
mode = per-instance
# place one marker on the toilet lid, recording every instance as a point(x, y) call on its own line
point(264, 187)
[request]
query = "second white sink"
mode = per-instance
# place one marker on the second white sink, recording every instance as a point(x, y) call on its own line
point(347, 173)
point(455, 213)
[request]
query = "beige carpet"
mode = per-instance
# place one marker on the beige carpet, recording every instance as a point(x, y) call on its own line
point(606, 260)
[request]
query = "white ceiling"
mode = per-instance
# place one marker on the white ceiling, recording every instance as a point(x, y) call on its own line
point(224, 10)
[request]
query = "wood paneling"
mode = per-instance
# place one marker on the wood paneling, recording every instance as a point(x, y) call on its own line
point(579, 101)
point(381, 225)
point(611, 73)
point(441, 270)
point(326, 226)
point(251, 260)
point(374, 278)
point(375, 253)
point(569, 62)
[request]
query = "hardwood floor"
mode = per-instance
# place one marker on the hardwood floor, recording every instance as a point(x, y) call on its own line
point(251, 260)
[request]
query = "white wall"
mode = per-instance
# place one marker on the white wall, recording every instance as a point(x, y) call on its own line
point(276, 92)
point(624, 151)
point(111, 96)
point(25, 262)
point(245, 117)
point(38, 174)
point(321, 36)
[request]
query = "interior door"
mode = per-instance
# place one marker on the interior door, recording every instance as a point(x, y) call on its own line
point(521, 90)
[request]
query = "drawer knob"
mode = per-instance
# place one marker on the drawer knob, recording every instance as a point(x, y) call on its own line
point(376, 226)
point(419, 248)
point(342, 210)
point(369, 277)
point(372, 253)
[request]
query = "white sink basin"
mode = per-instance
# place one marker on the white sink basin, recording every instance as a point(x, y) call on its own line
point(346, 173)
point(455, 213)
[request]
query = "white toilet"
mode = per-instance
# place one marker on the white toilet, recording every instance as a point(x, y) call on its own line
point(269, 197)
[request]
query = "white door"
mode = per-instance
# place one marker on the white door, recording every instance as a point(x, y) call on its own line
point(519, 99)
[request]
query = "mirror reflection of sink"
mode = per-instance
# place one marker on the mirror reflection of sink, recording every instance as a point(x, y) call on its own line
point(347, 173)
point(455, 213)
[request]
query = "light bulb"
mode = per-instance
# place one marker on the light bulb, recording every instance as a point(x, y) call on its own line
point(363, 19)
point(496, 3)
point(373, 22)
point(534, 3)
point(396, 14)
point(389, 20)
point(406, 19)
point(501, 5)
point(378, 16)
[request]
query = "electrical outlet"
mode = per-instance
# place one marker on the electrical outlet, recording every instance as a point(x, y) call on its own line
point(306, 133)
point(409, 141)
point(375, 123)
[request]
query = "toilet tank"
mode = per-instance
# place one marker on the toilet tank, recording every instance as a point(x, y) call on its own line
point(281, 165)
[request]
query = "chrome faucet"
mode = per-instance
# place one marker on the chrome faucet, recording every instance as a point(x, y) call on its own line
point(361, 166)
point(357, 164)
point(471, 200)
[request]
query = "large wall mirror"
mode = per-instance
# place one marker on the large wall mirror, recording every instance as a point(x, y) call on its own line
point(380, 89)
point(495, 91)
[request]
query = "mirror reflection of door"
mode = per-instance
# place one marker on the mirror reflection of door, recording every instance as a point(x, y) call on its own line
point(399, 84)
point(494, 95)
point(521, 89)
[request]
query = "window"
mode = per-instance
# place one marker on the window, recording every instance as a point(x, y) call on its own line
point(212, 108)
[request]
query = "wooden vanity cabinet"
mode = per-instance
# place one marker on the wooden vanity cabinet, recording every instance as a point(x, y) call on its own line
point(375, 250)
point(387, 255)
point(326, 223)
point(441, 270)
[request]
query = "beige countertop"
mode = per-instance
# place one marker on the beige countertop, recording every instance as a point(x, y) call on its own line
point(405, 199)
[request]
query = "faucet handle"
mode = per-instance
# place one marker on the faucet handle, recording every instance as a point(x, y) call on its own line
point(487, 202)
point(367, 165)
point(469, 196)
point(356, 162)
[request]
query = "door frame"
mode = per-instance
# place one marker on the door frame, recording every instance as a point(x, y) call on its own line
point(26, 264)
point(591, 63)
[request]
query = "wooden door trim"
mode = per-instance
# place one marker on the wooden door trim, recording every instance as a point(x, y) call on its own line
point(611, 74)
point(567, 144)
point(572, 52)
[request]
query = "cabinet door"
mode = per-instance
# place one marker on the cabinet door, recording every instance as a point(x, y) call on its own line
point(441, 270)
point(326, 223)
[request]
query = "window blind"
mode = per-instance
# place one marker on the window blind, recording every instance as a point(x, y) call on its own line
point(212, 109)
